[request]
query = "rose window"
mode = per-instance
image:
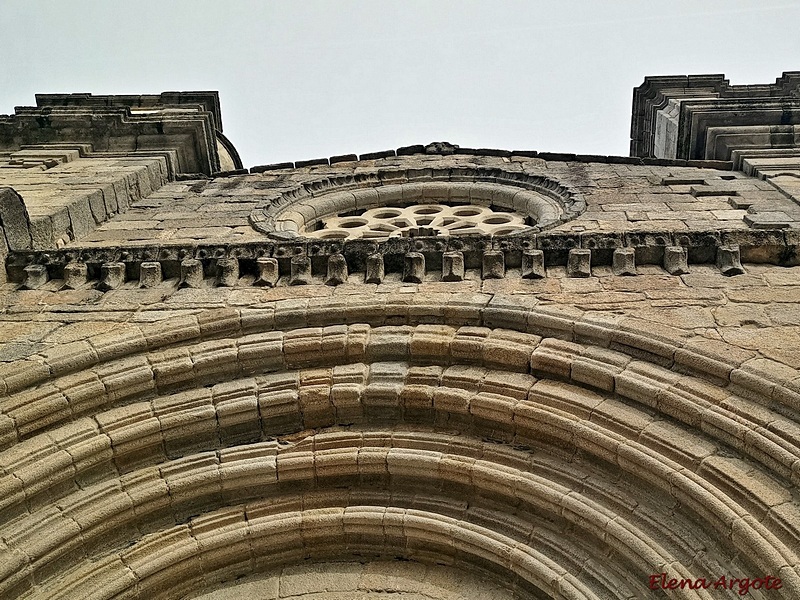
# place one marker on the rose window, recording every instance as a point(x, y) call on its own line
point(365, 207)
point(420, 220)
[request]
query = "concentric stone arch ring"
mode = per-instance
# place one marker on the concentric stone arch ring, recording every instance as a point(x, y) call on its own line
point(374, 206)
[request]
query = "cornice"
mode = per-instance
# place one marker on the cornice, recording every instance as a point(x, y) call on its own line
point(722, 102)
point(185, 124)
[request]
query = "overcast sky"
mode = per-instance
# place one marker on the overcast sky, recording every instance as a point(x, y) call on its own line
point(308, 79)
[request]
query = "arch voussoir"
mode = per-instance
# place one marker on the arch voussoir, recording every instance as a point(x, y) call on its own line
point(164, 426)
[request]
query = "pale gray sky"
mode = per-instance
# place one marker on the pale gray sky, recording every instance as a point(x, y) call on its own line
point(304, 79)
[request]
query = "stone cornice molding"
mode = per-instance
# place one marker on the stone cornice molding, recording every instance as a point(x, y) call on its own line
point(186, 125)
point(333, 262)
point(209, 100)
point(671, 115)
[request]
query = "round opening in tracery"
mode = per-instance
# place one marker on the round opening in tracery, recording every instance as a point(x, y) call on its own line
point(466, 212)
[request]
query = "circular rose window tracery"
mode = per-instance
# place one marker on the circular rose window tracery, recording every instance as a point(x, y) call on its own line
point(420, 220)
point(419, 203)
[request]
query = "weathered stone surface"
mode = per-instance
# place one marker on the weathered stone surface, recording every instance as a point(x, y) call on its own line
point(533, 264)
point(453, 266)
point(337, 270)
point(676, 260)
point(624, 261)
point(506, 415)
point(227, 272)
point(191, 273)
point(150, 274)
point(300, 270)
point(14, 220)
point(35, 276)
point(494, 265)
point(75, 275)
point(374, 272)
point(728, 260)
point(579, 263)
point(267, 272)
point(414, 267)
point(112, 276)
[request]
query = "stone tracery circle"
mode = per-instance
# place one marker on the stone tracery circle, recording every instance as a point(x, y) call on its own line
point(347, 207)
point(419, 220)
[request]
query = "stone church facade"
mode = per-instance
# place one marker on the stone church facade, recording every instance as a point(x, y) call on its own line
point(426, 373)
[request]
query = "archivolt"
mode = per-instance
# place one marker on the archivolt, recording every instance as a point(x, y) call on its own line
point(616, 457)
point(546, 501)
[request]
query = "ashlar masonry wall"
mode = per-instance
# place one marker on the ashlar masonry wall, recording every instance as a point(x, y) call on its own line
point(196, 402)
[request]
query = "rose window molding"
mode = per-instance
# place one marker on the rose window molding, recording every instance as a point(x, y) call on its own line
point(348, 208)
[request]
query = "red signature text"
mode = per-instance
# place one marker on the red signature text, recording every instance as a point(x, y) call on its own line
point(659, 581)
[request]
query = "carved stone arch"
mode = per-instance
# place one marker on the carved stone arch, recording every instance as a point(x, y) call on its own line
point(585, 467)
point(537, 202)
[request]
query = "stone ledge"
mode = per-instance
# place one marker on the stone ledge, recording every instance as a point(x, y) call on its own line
point(447, 149)
point(77, 207)
point(268, 261)
point(111, 124)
